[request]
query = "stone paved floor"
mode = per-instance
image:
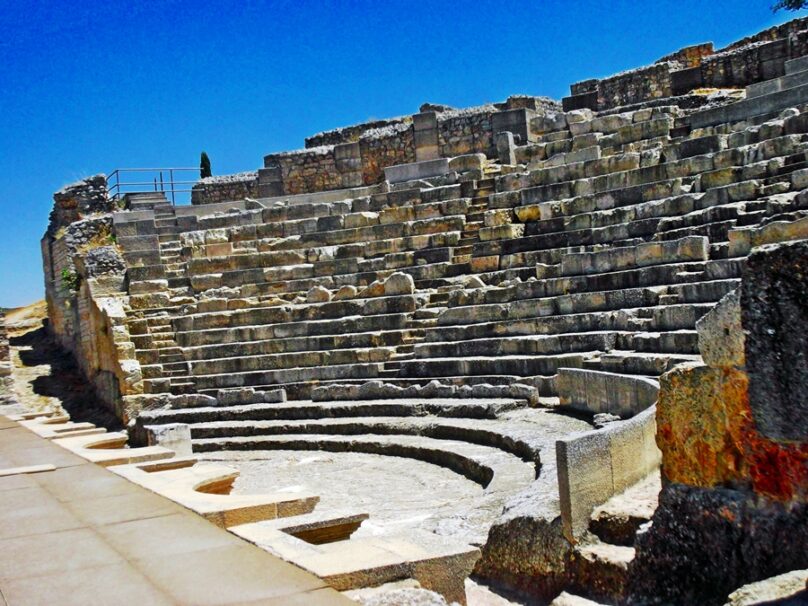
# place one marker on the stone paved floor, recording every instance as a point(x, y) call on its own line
point(82, 535)
point(399, 494)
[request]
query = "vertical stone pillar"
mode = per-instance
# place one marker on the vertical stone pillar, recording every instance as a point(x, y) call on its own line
point(270, 179)
point(506, 148)
point(425, 130)
point(348, 160)
point(515, 120)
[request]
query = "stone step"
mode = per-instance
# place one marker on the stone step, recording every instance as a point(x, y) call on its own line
point(291, 360)
point(654, 276)
point(341, 260)
point(617, 520)
point(523, 366)
point(303, 390)
point(602, 570)
point(314, 328)
point(519, 345)
point(345, 340)
point(277, 282)
point(480, 408)
point(630, 320)
point(489, 467)
point(679, 342)
point(785, 82)
point(298, 313)
point(749, 108)
point(641, 363)
point(366, 371)
point(523, 309)
point(510, 437)
point(796, 65)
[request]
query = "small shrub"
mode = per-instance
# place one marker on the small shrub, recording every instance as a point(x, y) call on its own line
point(70, 280)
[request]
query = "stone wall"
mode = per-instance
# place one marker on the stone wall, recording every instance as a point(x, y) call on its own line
point(78, 200)
point(466, 131)
point(306, 170)
point(742, 66)
point(6, 382)
point(226, 188)
point(85, 285)
point(385, 147)
point(689, 56)
point(652, 82)
point(356, 156)
point(596, 465)
point(773, 33)
point(753, 59)
point(352, 134)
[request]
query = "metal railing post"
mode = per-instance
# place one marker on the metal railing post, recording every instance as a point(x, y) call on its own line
point(154, 179)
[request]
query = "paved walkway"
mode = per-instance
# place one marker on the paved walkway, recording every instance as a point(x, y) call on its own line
point(82, 535)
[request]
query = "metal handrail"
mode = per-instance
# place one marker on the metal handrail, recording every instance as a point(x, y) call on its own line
point(163, 181)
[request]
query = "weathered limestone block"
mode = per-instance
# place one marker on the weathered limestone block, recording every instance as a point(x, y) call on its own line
point(361, 219)
point(493, 218)
point(318, 294)
point(249, 395)
point(399, 284)
point(502, 232)
point(793, 585)
point(345, 292)
point(700, 425)
point(175, 436)
point(596, 391)
point(774, 312)
point(374, 289)
point(467, 162)
point(742, 240)
point(721, 336)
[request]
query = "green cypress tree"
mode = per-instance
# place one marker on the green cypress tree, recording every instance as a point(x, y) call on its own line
point(204, 166)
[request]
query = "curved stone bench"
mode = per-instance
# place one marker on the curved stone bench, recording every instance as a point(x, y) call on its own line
point(490, 434)
point(596, 465)
point(491, 468)
point(595, 391)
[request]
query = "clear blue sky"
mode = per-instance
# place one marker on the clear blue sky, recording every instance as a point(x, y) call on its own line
point(88, 86)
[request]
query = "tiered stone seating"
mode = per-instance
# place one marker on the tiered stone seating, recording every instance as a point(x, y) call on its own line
point(602, 255)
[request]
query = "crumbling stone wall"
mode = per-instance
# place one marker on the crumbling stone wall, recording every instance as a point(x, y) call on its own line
point(742, 66)
point(351, 134)
point(226, 188)
point(336, 165)
point(78, 200)
point(689, 56)
point(466, 131)
point(651, 82)
point(308, 170)
point(388, 146)
point(85, 290)
point(6, 382)
point(773, 33)
point(753, 59)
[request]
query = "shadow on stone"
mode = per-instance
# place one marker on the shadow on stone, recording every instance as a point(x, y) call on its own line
point(65, 381)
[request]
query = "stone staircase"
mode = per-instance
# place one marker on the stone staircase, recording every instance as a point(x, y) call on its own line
point(551, 252)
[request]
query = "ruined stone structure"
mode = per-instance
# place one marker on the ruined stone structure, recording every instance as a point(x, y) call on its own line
point(6, 382)
point(496, 291)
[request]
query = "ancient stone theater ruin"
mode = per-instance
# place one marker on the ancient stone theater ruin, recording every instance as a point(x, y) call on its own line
point(556, 348)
